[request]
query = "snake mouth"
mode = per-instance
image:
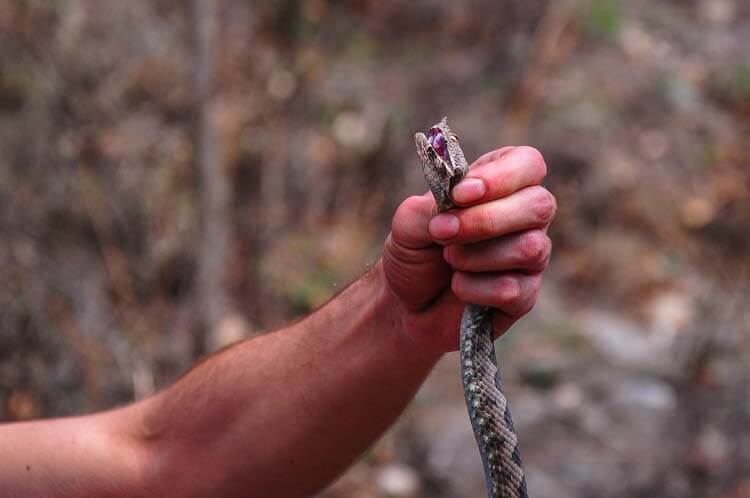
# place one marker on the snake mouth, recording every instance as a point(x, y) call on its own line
point(439, 143)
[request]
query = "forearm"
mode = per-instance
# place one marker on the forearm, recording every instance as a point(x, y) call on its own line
point(283, 414)
point(80, 457)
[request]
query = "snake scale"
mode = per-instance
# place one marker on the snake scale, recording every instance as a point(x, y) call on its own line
point(444, 165)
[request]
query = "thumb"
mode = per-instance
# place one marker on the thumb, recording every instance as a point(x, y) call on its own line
point(411, 221)
point(414, 266)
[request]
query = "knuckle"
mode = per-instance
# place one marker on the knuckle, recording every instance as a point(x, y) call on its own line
point(544, 205)
point(534, 286)
point(535, 248)
point(525, 308)
point(395, 253)
point(536, 160)
point(526, 304)
point(508, 292)
point(484, 223)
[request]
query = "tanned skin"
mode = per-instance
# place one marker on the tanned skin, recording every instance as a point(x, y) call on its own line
point(283, 414)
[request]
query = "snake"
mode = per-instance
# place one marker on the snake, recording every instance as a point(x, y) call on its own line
point(444, 165)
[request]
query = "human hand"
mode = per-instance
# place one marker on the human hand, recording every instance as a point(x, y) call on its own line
point(492, 250)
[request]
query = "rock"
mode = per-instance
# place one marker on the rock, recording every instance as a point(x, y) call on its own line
point(645, 393)
point(398, 480)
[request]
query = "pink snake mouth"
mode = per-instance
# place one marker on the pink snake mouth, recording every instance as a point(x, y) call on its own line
point(438, 142)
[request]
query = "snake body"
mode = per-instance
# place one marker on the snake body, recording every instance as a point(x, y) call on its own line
point(444, 165)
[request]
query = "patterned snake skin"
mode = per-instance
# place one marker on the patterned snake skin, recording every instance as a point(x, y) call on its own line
point(444, 165)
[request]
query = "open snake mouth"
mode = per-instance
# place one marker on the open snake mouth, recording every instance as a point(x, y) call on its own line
point(439, 143)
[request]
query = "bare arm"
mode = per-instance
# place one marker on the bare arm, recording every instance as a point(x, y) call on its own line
point(89, 456)
point(279, 415)
point(282, 414)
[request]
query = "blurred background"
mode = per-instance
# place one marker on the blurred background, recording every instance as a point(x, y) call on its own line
point(175, 176)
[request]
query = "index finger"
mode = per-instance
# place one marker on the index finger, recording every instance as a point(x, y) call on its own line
point(501, 173)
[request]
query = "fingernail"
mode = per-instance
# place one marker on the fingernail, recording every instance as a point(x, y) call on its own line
point(469, 190)
point(444, 226)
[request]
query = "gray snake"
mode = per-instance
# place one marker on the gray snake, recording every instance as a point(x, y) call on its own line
point(444, 165)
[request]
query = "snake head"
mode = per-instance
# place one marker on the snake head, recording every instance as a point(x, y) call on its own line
point(442, 160)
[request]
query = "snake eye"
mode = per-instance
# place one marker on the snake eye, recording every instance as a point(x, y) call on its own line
point(454, 138)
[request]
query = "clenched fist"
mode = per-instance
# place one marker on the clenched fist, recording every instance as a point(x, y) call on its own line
point(492, 250)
